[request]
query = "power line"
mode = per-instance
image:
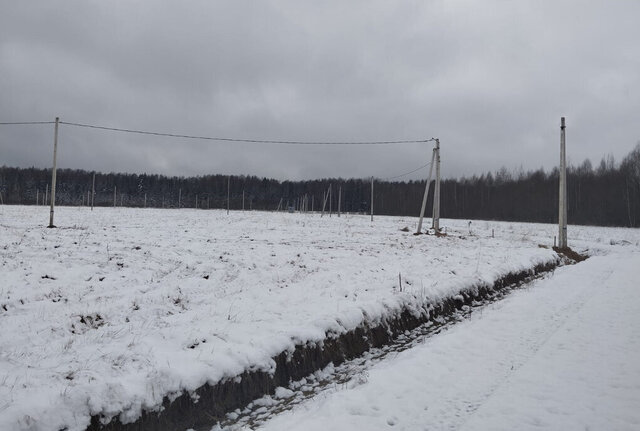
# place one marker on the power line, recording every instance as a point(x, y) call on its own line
point(406, 173)
point(253, 141)
point(19, 123)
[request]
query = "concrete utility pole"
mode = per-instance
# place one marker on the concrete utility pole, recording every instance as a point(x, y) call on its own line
point(371, 198)
point(436, 191)
point(53, 174)
point(426, 192)
point(562, 216)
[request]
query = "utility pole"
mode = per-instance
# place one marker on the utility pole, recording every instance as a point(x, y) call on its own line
point(114, 195)
point(426, 193)
point(93, 190)
point(179, 198)
point(196, 201)
point(562, 216)
point(37, 197)
point(436, 191)
point(371, 198)
point(228, 192)
point(145, 200)
point(53, 174)
point(242, 200)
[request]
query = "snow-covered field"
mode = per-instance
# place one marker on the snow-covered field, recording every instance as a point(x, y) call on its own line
point(118, 307)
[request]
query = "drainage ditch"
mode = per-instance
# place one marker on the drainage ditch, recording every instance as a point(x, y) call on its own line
point(231, 402)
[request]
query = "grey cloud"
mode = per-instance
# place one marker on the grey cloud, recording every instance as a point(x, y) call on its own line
point(491, 79)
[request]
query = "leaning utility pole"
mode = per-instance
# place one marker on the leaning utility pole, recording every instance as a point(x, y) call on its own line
point(562, 216)
point(53, 173)
point(436, 191)
point(426, 193)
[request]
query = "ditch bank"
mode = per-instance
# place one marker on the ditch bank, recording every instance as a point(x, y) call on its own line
point(209, 404)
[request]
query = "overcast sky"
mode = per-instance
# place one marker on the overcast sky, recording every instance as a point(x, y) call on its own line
point(491, 79)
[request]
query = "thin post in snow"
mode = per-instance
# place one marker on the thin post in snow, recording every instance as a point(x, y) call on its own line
point(228, 193)
point(339, 200)
point(371, 198)
point(196, 201)
point(179, 198)
point(243, 200)
point(312, 197)
point(114, 195)
point(145, 200)
point(325, 197)
point(53, 174)
point(330, 201)
point(37, 197)
point(93, 190)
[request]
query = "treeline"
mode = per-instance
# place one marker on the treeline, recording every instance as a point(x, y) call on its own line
point(607, 195)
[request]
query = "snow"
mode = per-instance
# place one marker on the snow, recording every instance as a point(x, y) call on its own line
point(118, 307)
point(562, 354)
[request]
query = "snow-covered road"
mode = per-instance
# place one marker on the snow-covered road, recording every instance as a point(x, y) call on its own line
point(563, 354)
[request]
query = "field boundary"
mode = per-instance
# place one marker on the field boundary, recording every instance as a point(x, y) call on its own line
point(204, 407)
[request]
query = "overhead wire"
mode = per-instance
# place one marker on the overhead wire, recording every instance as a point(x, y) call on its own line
point(254, 141)
point(406, 173)
point(16, 123)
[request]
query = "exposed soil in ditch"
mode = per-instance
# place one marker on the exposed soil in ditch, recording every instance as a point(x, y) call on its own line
point(346, 353)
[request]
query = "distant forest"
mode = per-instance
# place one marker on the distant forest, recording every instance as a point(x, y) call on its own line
point(606, 195)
